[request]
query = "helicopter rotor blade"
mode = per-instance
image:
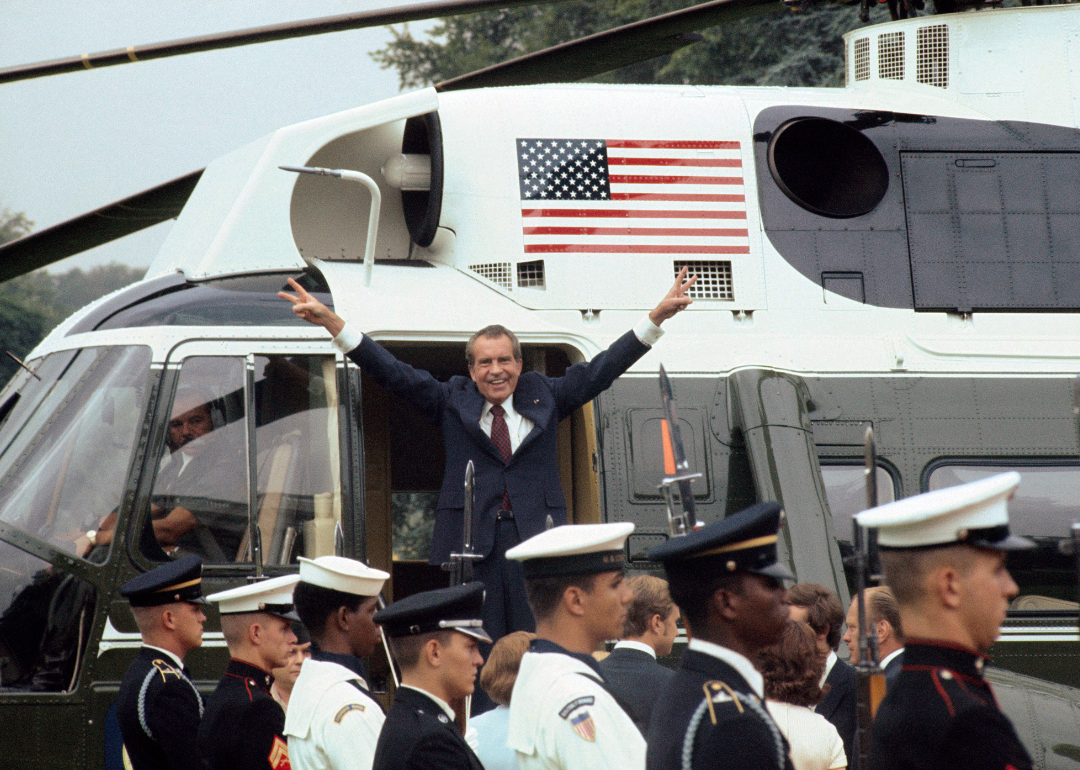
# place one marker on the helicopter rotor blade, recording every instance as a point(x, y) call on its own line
point(266, 34)
point(97, 227)
point(612, 49)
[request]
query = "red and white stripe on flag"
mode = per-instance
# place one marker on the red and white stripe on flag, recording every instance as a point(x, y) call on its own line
point(632, 197)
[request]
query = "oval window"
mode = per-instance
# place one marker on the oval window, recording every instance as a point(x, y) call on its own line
point(827, 167)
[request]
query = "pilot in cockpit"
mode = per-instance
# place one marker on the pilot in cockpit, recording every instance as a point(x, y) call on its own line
point(199, 499)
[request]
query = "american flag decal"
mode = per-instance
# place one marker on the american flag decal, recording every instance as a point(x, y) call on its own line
point(626, 196)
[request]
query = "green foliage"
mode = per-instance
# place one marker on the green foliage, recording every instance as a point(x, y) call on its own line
point(13, 226)
point(33, 304)
point(779, 48)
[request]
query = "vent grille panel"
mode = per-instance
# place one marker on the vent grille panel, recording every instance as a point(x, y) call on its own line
point(932, 55)
point(531, 274)
point(499, 273)
point(862, 58)
point(713, 279)
point(891, 56)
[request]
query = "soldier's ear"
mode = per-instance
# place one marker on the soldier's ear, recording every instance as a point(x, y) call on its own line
point(573, 600)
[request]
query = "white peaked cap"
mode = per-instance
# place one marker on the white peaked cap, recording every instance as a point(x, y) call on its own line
point(341, 574)
point(573, 549)
point(273, 596)
point(975, 513)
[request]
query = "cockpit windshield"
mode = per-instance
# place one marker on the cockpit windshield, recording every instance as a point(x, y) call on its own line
point(70, 422)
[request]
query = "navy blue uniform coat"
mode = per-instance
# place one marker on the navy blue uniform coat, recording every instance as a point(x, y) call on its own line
point(532, 475)
point(730, 736)
point(418, 735)
point(159, 711)
point(940, 713)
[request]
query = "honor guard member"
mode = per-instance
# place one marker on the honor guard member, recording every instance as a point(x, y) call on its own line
point(944, 558)
point(242, 728)
point(333, 722)
point(561, 712)
point(433, 637)
point(158, 707)
point(729, 586)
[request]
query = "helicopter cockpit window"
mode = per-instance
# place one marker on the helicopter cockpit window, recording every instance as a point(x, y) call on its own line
point(69, 440)
point(1044, 507)
point(45, 619)
point(200, 499)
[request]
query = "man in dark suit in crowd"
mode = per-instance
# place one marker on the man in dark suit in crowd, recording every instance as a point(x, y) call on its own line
point(158, 707)
point(433, 636)
point(820, 608)
point(505, 421)
point(728, 584)
point(631, 671)
point(883, 619)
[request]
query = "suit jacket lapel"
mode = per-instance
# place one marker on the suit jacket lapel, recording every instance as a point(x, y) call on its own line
point(527, 403)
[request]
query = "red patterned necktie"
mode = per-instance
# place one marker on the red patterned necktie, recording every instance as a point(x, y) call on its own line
point(500, 436)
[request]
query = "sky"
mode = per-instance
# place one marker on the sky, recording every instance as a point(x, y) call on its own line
point(71, 143)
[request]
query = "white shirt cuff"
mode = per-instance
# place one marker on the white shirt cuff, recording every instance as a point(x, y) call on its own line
point(646, 331)
point(348, 338)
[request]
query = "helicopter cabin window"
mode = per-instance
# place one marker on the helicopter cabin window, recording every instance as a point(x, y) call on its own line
point(45, 617)
point(69, 434)
point(1044, 507)
point(200, 498)
point(845, 490)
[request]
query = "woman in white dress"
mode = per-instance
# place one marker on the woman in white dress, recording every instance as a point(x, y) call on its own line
point(792, 671)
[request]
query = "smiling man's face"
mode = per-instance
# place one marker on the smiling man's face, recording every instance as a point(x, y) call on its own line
point(494, 368)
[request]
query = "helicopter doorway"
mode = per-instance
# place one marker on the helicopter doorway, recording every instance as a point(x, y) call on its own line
point(404, 461)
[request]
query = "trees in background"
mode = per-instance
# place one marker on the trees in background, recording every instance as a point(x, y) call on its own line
point(778, 48)
point(33, 304)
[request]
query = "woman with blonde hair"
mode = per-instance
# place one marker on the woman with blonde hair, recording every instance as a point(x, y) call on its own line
point(792, 670)
point(497, 677)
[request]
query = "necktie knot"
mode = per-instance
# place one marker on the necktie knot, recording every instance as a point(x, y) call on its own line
point(498, 411)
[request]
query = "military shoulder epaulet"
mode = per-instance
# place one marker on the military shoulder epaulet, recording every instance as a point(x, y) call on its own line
point(164, 669)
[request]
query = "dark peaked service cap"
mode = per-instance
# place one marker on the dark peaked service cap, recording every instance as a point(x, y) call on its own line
point(457, 608)
point(744, 541)
point(177, 581)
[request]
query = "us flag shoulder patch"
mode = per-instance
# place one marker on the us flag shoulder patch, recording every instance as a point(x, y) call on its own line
point(584, 726)
point(631, 196)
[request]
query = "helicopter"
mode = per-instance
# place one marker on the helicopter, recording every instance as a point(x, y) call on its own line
point(897, 253)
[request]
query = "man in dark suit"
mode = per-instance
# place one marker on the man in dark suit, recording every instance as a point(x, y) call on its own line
point(158, 707)
point(433, 636)
point(505, 421)
point(820, 608)
point(883, 620)
point(631, 671)
point(728, 584)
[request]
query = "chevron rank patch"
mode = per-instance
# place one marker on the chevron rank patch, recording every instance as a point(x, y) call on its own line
point(345, 710)
point(279, 755)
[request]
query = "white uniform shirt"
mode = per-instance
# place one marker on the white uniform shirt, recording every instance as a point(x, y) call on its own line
point(560, 719)
point(330, 724)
